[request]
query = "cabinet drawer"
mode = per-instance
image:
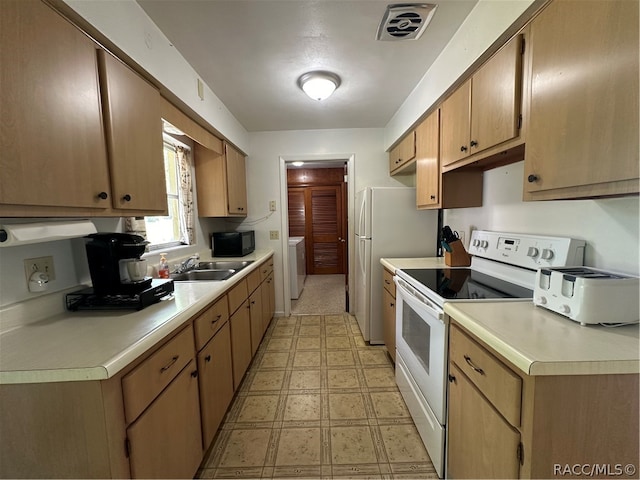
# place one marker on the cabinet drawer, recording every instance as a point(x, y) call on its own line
point(266, 268)
point(207, 324)
point(387, 282)
point(148, 379)
point(237, 295)
point(496, 381)
point(254, 280)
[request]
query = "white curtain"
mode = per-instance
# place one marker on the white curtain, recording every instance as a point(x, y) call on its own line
point(185, 197)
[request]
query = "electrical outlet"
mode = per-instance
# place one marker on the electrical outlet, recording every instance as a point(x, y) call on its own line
point(274, 235)
point(461, 236)
point(272, 206)
point(40, 264)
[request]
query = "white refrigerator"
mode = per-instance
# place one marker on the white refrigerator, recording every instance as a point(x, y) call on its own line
point(387, 225)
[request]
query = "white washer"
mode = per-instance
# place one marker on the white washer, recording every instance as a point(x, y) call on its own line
point(297, 266)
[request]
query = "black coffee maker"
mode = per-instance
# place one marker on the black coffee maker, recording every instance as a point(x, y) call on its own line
point(105, 253)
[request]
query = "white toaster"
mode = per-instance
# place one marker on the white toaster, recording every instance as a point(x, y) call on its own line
point(588, 295)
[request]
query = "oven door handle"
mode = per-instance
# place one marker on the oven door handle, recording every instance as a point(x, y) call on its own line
point(421, 301)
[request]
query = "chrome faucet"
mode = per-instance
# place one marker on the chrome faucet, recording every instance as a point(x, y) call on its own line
point(188, 264)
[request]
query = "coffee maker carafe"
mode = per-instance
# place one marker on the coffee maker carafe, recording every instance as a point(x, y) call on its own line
point(108, 254)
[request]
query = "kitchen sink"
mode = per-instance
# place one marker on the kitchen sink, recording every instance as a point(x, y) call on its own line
point(201, 274)
point(223, 264)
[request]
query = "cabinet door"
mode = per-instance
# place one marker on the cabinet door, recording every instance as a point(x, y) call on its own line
point(257, 324)
point(496, 93)
point(403, 153)
point(428, 162)
point(165, 442)
point(216, 382)
point(236, 181)
point(583, 130)
point(389, 325)
point(240, 342)
point(268, 301)
point(53, 146)
point(134, 137)
point(455, 116)
point(481, 444)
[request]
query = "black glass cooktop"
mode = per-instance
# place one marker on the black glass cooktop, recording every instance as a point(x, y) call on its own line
point(466, 284)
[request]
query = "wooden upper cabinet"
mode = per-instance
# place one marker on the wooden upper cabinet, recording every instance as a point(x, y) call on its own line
point(485, 111)
point(455, 125)
point(52, 141)
point(236, 181)
point(428, 162)
point(134, 137)
point(582, 137)
point(402, 154)
point(221, 183)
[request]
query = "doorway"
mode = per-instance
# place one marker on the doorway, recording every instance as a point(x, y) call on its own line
point(315, 196)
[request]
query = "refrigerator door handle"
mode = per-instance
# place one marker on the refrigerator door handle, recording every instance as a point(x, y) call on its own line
point(361, 218)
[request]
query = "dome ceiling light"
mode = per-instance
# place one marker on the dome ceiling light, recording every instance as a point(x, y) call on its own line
point(319, 85)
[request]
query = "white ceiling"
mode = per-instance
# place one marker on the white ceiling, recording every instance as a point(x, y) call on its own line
point(251, 53)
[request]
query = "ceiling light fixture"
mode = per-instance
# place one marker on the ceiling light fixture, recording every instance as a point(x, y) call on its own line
point(319, 85)
point(297, 164)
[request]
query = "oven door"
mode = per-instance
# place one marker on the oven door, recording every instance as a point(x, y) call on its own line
point(421, 341)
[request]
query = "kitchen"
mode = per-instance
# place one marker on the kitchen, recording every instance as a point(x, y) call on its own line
point(610, 226)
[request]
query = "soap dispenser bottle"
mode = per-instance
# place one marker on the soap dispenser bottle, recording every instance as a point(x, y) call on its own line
point(163, 269)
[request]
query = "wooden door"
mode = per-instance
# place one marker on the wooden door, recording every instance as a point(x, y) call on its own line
point(297, 212)
point(583, 126)
point(325, 248)
point(53, 145)
point(134, 137)
point(496, 93)
point(455, 120)
point(216, 382)
point(428, 162)
point(481, 443)
point(166, 442)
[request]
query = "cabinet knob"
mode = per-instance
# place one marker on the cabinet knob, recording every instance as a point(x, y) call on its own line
point(392, 304)
point(452, 379)
point(103, 195)
point(433, 197)
point(126, 198)
point(532, 178)
point(207, 358)
point(194, 374)
point(463, 148)
point(474, 143)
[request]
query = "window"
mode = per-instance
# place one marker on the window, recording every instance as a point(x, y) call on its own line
point(170, 230)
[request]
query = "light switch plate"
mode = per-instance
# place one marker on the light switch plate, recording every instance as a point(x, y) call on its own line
point(274, 235)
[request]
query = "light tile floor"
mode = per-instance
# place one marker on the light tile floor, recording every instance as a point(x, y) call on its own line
point(317, 402)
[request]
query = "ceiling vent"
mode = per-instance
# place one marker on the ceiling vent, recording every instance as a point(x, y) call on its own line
point(405, 21)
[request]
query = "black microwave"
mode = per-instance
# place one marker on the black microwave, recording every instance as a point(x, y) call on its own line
point(232, 244)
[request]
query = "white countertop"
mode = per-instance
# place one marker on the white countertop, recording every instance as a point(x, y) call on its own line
point(540, 342)
point(394, 264)
point(95, 345)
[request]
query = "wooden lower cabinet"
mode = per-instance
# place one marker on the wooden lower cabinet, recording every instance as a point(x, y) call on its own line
point(240, 342)
point(256, 313)
point(268, 301)
point(216, 382)
point(389, 313)
point(165, 442)
point(481, 443)
point(503, 423)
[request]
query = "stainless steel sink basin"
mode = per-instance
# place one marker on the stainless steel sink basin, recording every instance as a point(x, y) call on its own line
point(210, 274)
point(223, 264)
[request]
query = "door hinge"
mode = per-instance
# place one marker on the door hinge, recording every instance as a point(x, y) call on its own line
point(127, 447)
point(520, 453)
point(522, 47)
point(519, 121)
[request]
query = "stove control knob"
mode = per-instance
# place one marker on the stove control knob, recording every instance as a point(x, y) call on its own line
point(532, 252)
point(565, 308)
point(542, 300)
point(484, 244)
point(547, 254)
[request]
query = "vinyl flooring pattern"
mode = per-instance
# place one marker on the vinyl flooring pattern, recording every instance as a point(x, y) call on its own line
point(317, 402)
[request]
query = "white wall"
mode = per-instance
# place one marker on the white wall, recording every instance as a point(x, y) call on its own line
point(609, 226)
point(263, 174)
